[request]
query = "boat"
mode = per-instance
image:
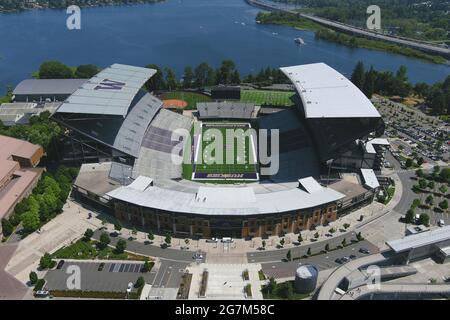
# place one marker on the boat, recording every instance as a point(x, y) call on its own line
point(299, 41)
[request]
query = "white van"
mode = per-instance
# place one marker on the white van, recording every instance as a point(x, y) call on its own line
point(441, 223)
point(227, 240)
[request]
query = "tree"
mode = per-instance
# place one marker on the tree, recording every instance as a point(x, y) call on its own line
point(282, 241)
point(157, 81)
point(263, 244)
point(420, 161)
point(54, 70)
point(358, 75)
point(443, 205)
point(121, 246)
point(117, 226)
point(369, 83)
point(104, 240)
point(236, 78)
point(147, 266)
point(409, 162)
point(150, 236)
point(140, 282)
point(134, 231)
point(88, 234)
point(419, 172)
point(186, 242)
point(445, 174)
point(204, 75)
point(168, 239)
point(359, 236)
point(33, 277)
point(86, 71)
point(225, 72)
point(31, 221)
point(316, 235)
point(443, 189)
point(171, 79)
point(7, 227)
point(289, 255)
point(300, 238)
point(424, 219)
point(429, 200)
point(46, 261)
point(327, 247)
point(423, 183)
point(309, 252)
point(346, 225)
point(416, 203)
point(286, 290)
point(409, 217)
point(344, 242)
point(188, 77)
point(431, 185)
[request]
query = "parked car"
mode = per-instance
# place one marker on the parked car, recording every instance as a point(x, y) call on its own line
point(60, 264)
point(364, 250)
point(227, 240)
point(441, 223)
point(212, 240)
point(197, 256)
point(42, 293)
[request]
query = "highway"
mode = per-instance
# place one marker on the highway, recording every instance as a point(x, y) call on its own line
point(411, 43)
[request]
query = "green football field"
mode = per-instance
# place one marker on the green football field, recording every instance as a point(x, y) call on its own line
point(241, 153)
point(268, 98)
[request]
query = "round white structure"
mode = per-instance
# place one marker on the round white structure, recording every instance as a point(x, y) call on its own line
point(306, 278)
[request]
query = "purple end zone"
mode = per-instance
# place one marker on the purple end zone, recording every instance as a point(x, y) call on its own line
point(223, 176)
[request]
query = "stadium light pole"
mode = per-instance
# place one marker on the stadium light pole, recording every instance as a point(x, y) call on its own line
point(329, 162)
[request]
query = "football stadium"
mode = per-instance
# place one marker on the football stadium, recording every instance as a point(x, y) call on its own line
point(201, 174)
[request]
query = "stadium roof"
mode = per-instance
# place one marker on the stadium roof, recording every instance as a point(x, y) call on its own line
point(225, 200)
point(420, 239)
point(326, 93)
point(370, 179)
point(376, 141)
point(226, 110)
point(48, 86)
point(110, 92)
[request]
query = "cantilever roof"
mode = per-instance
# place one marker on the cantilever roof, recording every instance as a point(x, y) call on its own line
point(48, 86)
point(110, 92)
point(225, 200)
point(370, 179)
point(420, 239)
point(326, 93)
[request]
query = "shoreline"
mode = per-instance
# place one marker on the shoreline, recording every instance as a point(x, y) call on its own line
point(99, 3)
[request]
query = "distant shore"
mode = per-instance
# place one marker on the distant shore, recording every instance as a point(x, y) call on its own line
point(22, 5)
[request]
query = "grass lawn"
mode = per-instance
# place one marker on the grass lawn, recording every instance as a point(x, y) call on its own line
point(190, 97)
point(281, 291)
point(242, 148)
point(268, 98)
point(89, 250)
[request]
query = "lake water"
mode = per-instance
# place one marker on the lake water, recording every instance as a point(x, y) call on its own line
point(177, 33)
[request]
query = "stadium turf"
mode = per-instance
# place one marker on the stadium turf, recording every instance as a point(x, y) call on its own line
point(267, 97)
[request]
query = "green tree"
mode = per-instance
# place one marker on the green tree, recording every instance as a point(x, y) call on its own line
point(150, 236)
point(286, 290)
point(431, 185)
point(445, 174)
point(419, 173)
point(86, 71)
point(33, 277)
point(31, 221)
point(204, 75)
point(7, 227)
point(236, 78)
point(423, 183)
point(188, 77)
point(316, 235)
point(88, 234)
point(121, 245)
point(358, 75)
point(359, 236)
point(416, 203)
point(327, 247)
point(282, 241)
point(54, 70)
point(346, 225)
point(46, 261)
point(104, 240)
point(443, 189)
point(225, 72)
point(443, 204)
point(344, 242)
point(168, 239)
point(171, 79)
point(134, 231)
point(118, 226)
point(300, 238)
point(410, 216)
point(140, 282)
point(263, 244)
point(308, 252)
point(429, 200)
point(156, 82)
point(424, 219)
point(147, 266)
point(409, 162)
point(289, 255)
point(369, 83)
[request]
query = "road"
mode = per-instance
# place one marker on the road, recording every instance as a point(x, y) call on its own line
point(416, 44)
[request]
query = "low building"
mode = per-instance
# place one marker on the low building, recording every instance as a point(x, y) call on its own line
point(18, 171)
point(422, 245)
point(12, 114)
point(39, 90)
